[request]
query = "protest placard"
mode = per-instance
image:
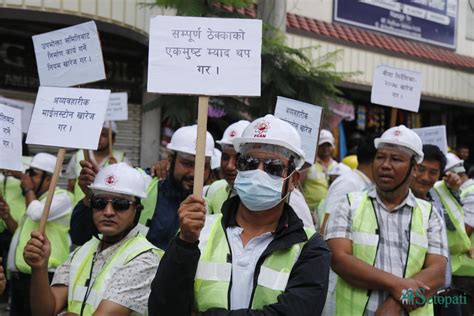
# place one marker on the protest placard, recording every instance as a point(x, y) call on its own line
point(117, 110)
point(205, 56)
point(434, 135)
point(397, 88)
point(69, 56)
point(68, 117)
point(26, 110)
point(10, 138)
point(306, 119)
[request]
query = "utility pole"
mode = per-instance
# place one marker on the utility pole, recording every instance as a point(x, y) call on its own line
point(273, 13)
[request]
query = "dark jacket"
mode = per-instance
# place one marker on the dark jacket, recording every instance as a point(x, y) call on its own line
point(172, 290)
point(163, 225)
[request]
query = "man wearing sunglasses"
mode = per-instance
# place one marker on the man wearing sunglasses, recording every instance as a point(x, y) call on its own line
point(110, 274)
point(219, 191)
point(159, 219)
point(255, 257)
point(35, 184)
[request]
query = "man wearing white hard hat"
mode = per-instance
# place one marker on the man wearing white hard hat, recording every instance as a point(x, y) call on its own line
point(255, 257)
point(100, 157)
point(315, 179)
point(109, 275)
point(35, 184)
point(385, 241)
point(159, 220)
point(221, 190)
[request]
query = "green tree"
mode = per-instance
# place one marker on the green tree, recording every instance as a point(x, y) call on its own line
point(286, 71)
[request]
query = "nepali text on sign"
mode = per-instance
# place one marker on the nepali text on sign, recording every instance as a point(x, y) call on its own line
point(10, 138)
point(26, 110)
point(434, 135)
point(117, 109)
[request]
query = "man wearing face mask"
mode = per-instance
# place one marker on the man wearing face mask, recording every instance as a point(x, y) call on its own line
point(255, 258)
point(221, 190)
point(158, 220)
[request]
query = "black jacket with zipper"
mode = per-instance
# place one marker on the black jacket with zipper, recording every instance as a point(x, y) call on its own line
point(172, 290)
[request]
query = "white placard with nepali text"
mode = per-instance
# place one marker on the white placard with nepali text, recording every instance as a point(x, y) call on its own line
point(118, 107)
point(306, 119)
point(68, 117)
point(434, 135)
point(26, 111)
point(397, 88)
point(205, 56)
point(10, 138)
point(69, 56)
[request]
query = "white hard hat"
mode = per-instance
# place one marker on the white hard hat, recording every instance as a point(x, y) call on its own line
point(113, 125)
point(454, 164)
point(216, 159)
point(44, 161)
point(232, 131)
point(402, 136)
point(271, 130)
point(339, 169)
point(184, 140)
point(120, 178)
point(325, 136)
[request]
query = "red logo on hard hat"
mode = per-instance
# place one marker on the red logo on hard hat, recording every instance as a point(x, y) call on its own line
point(232, 133)
point(397, 133)
point(261, 129)
point(110, 180)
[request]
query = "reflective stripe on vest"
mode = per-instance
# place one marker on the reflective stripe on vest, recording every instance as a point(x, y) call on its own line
point(365, 241)
point(213, 275)
point(458, 241)
point(149, 206)
point(81, 268)
point(57, 232)
point(217, 194)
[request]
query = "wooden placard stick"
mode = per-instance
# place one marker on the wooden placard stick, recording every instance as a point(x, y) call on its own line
point(393, 117)
point(111, 150)
point(200, 146)
point(52, 188)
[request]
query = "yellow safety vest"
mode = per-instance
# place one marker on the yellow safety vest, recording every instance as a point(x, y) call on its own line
point(213, 275)
point(81, 264)
point(353, 301)
point(78, 194)
point(315, 186)
point(216, 195)
point(57, 232)
point(10, 190)
point(458, 240)
point(149, 204)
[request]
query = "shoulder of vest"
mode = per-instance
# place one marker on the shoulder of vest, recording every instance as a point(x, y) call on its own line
point(355, 197)
point(216, 186)
point(142, 245)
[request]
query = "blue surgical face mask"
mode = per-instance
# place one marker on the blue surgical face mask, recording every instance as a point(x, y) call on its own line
point(258, 190)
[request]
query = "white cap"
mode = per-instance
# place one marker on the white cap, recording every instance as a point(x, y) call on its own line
point(454, 164)
point(339, 169)
point(120, 178)
point(272, 130)
point(325, 136)
point(184, 140)
point(113, 125)
point(402, 136)
point(216, 159)
point(44, 161)
point(232, 131)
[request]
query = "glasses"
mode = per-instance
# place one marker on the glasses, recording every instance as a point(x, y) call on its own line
point(274, 167)
point(120, 205)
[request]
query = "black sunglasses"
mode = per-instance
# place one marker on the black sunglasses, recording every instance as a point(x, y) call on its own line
point(31, 172)
point(274, 167)
point(118, 204)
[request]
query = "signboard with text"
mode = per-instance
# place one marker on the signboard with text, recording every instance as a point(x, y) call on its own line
point(26, 110)
point(431, 21)
point(68, 117)
point(69, 56)
point(10, 138)
point(306, 119)
point(434, 135)
point(205, 56)
point(117, 110)
point(397, 88)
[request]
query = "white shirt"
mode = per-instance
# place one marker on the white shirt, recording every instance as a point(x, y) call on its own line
point(244, 260)
point(298, 204)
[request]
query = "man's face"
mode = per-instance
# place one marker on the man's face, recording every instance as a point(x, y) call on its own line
point(325, 150)
point(184, 170)
point(463, 153)
point(36, 176)
point(229, 164)
point(112, 221)
point(103, 140)
point(425, 176)
point(391, 166)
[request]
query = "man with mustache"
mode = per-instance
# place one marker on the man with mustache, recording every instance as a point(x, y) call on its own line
point(159, 220)
point(385, 241)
